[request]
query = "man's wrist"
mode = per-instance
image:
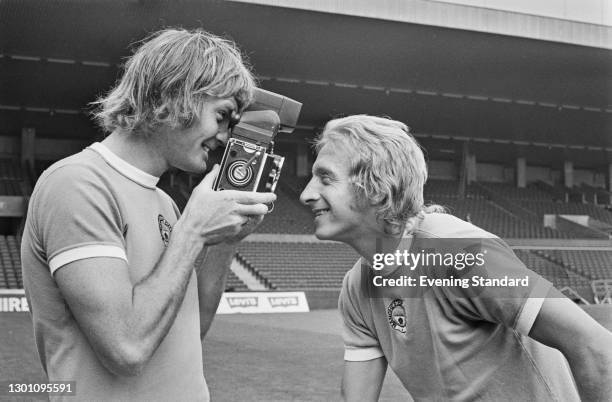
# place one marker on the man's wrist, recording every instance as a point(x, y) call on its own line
point(189, 241)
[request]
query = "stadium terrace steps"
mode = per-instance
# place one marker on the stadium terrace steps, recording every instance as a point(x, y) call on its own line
point(322, 265)
point(10, 263)
point(509, 191)
point(556, 273)
point(496, 220)
point(435, 188)
point(300, 265)
point(247, 275)
point(569, 208)
point(288, 217)
point(590, 264)
point(293, 185)
point(253, 270)
point(14, 179)
point(521, 211)
point(234, 284)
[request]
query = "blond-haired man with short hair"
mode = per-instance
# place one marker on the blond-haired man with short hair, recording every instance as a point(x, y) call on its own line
point(444, 341)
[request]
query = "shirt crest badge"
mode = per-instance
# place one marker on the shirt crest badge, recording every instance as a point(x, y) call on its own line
point(396, 314)
point(164, 229)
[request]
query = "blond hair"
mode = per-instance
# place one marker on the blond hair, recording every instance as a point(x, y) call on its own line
point(387, 164)
point(169, 77)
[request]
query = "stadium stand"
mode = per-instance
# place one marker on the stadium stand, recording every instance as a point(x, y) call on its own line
point(596, 195)
point(568, 208)
point(10, 262)
point(234, 284)
point(531, 193)
point(288, 217)
point(560, 277)
point(437, 188)
point(304, 266)
point(14, 179)
point(315, 265)
point(591, 264)
point(493, 217)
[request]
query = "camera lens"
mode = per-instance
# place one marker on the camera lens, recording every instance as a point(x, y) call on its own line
point(239, 174)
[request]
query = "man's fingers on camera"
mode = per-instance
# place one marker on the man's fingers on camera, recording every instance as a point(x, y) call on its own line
point(249, 197)
point(252, 209)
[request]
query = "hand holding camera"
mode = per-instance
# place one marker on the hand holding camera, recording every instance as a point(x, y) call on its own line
point(248, 174)
point(249, 162)
point(228, 216)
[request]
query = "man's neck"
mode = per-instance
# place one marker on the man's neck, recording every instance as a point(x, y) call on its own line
point(383, 242)
point(138, 151)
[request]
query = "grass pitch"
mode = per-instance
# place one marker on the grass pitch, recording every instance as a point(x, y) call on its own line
point(247, 357)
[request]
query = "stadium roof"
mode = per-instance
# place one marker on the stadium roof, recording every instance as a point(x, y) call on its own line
point(58, 55)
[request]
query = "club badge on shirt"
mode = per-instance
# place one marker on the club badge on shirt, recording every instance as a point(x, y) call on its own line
point(397, 315)
point(164, 229)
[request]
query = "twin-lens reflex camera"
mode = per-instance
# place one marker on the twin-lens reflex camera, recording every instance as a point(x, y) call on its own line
point(249, 162)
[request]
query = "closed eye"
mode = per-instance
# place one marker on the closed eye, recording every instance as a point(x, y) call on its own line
point(326, 180)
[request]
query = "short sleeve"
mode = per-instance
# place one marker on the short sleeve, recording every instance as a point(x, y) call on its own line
point(515, 307)
point(360, 344)
point(76, 216)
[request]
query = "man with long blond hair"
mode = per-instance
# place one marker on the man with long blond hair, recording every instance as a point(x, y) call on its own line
point(122, 287)
point(446, 305)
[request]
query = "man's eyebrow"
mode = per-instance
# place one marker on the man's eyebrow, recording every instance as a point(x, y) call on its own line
point(322, 171)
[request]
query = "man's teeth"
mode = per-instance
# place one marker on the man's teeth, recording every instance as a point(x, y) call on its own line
point(319, 212)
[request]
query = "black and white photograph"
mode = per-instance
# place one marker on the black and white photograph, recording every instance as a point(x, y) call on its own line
point(306, 200)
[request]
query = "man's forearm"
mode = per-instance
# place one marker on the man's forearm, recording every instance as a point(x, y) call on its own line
point(212, 269)
point(157, 298)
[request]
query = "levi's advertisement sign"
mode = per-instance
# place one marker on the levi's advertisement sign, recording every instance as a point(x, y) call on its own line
point(14, 301)
point(262, 302)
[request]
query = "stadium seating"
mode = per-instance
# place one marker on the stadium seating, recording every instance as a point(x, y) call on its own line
point(10, 263)
point(560, 277)
point(289, 215)
point(495, 219)
point(569, 208)
point(14, 181)
point(322, 265)
point(234, 284)
point(303, 266)
point(591, 264)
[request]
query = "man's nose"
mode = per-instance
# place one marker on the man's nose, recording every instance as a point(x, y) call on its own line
point(309, 194)
point(223, 135)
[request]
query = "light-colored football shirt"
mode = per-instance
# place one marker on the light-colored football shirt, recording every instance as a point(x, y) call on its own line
point(94, 204)
point(444, 346)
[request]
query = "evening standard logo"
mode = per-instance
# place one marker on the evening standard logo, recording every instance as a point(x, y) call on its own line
point(245, 301)
point(283, 301)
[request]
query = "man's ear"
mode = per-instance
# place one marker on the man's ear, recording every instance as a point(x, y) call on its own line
point(395, 228)
point(392, 228)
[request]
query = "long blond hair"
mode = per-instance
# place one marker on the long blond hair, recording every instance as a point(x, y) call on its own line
point(169, 77)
